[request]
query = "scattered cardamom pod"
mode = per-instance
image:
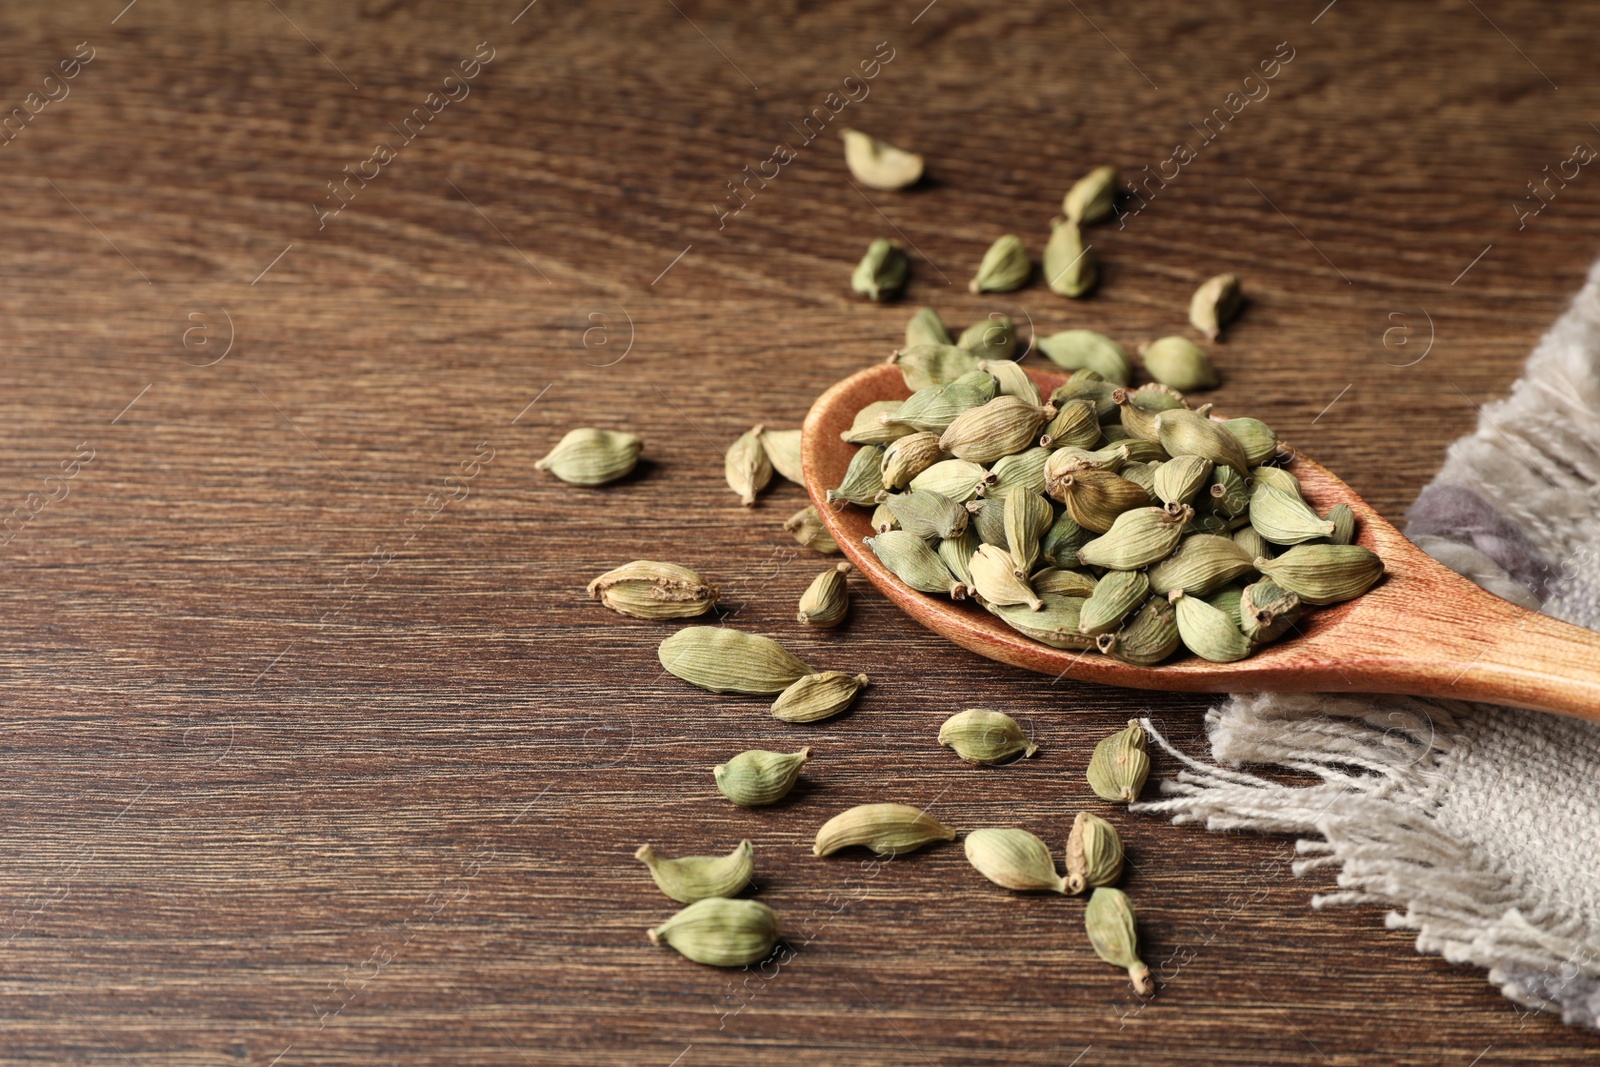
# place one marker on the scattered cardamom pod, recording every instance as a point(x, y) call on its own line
point(926, 328)
point(1088, 350)
point(1070, 267)
point(693, 878)
point(994, 339)
point(879, 164)
point(1119, 766)
point(818, 696)
point(863, 479)
point(913, 562)
point(1005, 267)
point(887, 829)
point(981, 736)
point(783, 451)
point(756, 778)
point(1094, 853)
point(1004, 425)
point(747, 467)
point(1215, 304)
point(1109, 920)
point(1092, 197)
point(1207, 631)
point(1115, 597)
point(591, 457)
point(721, 932)
point(806, 527)
point(927, 365)
point(1324, 574)
point(646, 589)
point(1180, 363)
point(730, 661)
point(1013, 858)
point(1137, 539)
point(881, 274)
point(827, 599)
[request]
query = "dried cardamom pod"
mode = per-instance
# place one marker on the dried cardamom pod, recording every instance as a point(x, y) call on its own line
point(747, 467)
point(1179, 479)
point(1229, 494)
point(1013, 858)
point(1150, 637)
point(927, 514)
point(881, 274)
point(730, 661)
point(1088, 350)
point(756, 778)
point(1074, 425)
point(935, 407)
point(1004, 425)
point(1324, 574)
point(989, 520)
point(1028, 517)
point(1014, 381)
point(1063, 581)
point(1137, 410)
point(883, 519)
point(887, 829)
point(1180, 363)
point(1096, 498)
point(1120, 765)
point(1109, 920)
point(926, 328)
point(1070, 460)
point(818, 696)
point(1137, 539)
point(1215, 304)
point(1115, 597)
point(1094, 853)
point(1088, 385)
point(1259, 440)
point(1092, 197)
point(908, 457)
point(1005, 267)
point(1070, 267)
point(1055, 624)
point(1207, 631)
point(806, 527)
point(1284, 519)
point(1020, 470)
point(874, 425)
point(1201, 564)
point(721, 932)
point(1187, 433)
point(591, 457)
point(982, 736)
point(1060, 546)
point(994, 339)
point(994, 578)
point(879, 164)
point(783, 451)
point(646, 589)
point(1227, 600)
point(956, 552)
point(1278, 478)
point(958, 479)
point(1140, 450)
point(1254, 544)
point(1267, 611)
point(1343, 518)
point(863, 479)
point(693, 878)
point(913, 562)
point(827, 599)
point(927, 365)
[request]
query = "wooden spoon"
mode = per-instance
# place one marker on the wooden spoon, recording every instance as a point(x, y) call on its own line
point(1422, 630)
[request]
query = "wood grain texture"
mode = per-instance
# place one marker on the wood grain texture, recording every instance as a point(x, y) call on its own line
point(318, 754)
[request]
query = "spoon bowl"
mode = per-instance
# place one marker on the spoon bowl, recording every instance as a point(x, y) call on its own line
point(1422, 630)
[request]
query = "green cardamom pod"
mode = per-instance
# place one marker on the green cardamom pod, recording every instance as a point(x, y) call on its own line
point(730, 661)
point(1202, 563)
point(935, 407)
point(747, 467)
point(721, 932)
point(993, 339)
point(1020, 470)
point(1088, 350)
point(1005, 267)
point(1253, 543)
point(881, 274)
point(1055, 623)
point(1229, 494)
point(1096, 498)
point(926, 328)
point(1228, 600)
point(1324, 574)
point(927, 514)
point(1109, 919)
point(879, 164)
point(1070, 460)
point(827, 599)
point(1267, 611)
point(1140, 450)
point(591, 457)
point(1207, 631)
point(818, 696)
point(1013, 858)
point(1070, 267)
point(989, 520)
point(914, 563)
point(994, 578)
point(1014, 381)
point(1115, 597)
point(1028, 517)
point(1149, 638)
point(1092, 197)
point(1063, 581)
point(1178, 480)
point(887, 829)
point(1137, 539)
point(1284, 519)
point(1060, 546)
point(1187, 433)
point(806, 527)
point(693, 878)
point(1259, 440)
point(982, 736)
point(1094, 853)
point(958, 479)
point(1137, 410)
point(1090, 386)
point(756, 778)
point(646, 589)
point(1120, 765)
point(1180, 363)
point(956, 552)
point(928, 365)
point(863, 479)
point(1004, 425)
point(874, 425)
point(1343, 518)
point(1074, 425)
point(908, 457)
point(1278, 478)
point(883, 519)
point(1215, 304)
point(783, 452)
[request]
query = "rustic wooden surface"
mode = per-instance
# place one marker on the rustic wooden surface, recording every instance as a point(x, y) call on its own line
point(317, 752)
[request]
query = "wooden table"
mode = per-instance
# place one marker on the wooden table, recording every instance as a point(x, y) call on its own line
point(319, 754)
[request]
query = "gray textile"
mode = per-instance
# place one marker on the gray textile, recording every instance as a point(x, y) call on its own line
point(1479, 825)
